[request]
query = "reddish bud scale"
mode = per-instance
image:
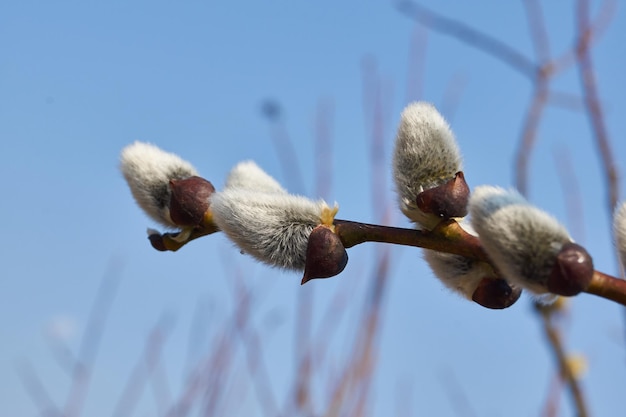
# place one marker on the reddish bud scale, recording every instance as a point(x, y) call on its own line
point(572, 271)
point(325, 255)
point(156, 240)
point(495, 293)
point(446, 200)
point(189, 200)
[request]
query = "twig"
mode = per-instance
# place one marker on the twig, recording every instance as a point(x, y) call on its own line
point(253, 349)
point(551, 407)
point(596, 29)
point(211, 375)
point(373, 95)
point(143, 369)
point(91, 341)
point(37, 392)
point(448, 237)
point(452, 96)
point(537, 29)
point(566, 101)
point(571, 192)
point(554, 337)
point(456, 394)
point(470, 36)
point(300, 401)
point(284, 146)
point(529, 133)
point(417, 59)
point(592, 103)
point(609, 287)
point(323, 147)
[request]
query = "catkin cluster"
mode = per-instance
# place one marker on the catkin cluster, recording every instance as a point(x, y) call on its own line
point(527, 248)
point(253, 210)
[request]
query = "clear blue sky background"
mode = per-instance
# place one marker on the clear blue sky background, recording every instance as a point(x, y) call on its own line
point(80, 80)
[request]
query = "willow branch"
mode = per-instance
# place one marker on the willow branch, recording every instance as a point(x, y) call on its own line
point(466, 34)
point(592, 103)
point(556, 342)
point(447, 237)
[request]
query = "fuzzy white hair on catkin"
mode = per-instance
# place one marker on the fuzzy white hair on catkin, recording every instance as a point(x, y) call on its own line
point(274, 228)
point(148, 170)
point(520, 239)
point(425, 155)
point(248, 175)
point(619, 230)
point(458, 273)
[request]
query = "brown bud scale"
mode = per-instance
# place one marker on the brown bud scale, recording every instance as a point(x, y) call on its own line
point(325, 254)
point(446, 200)
point(189, 200)
point(495, 293)
point(572, 271)
point(156, 240)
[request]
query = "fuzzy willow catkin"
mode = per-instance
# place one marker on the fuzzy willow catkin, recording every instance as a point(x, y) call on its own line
point(248, 175)
point(458, 273)
point(425, 156)
point(263, 220)
point(522, 241)
point(148, 171)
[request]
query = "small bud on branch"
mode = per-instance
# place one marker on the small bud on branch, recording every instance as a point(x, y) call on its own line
point(426, 156)
point(325, 254)
point(148, 171)
point(270, 225)
point(527, 245)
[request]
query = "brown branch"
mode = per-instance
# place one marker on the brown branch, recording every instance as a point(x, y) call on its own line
point(466, 34)
point(81, 375)
point(301, 399)
point(253, 349)
point(558, 349)
point(447, 237)
point(452, 96)
point(143, 369)
point(211, 375)
point(35, 389)
point(566, 101)
point(551, 407)
point(592, 103)
point(373, 94)
point(537, 29)
point(571, 191)
point(609, 287)
point(284, 146)
point(529, 133)
point(355, 378)
point(323, 147)
point(417, 59)
point(457, 396)
point(595, 30)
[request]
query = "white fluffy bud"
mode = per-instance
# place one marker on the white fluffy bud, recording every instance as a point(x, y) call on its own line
point(522, 241)
point(258, 215)
point(474, 280)
point(425, 156)
point(148, 171)
point(248, 175)
point(457, 272)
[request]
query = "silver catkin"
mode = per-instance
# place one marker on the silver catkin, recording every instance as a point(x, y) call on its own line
point(425, 155)
point(148, 170)
point(520, 239)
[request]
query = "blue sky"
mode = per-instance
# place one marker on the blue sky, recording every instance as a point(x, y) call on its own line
point(79, 81)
